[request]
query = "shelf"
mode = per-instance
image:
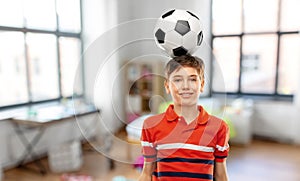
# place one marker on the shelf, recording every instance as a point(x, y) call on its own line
point(141, 85)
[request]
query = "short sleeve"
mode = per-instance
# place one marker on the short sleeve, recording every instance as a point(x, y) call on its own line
point(148, 150)
point(222, 146)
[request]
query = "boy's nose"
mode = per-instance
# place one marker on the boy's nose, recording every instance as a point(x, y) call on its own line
point(186, 84)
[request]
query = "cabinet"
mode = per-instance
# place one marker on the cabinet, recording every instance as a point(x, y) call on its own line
point(144, 88)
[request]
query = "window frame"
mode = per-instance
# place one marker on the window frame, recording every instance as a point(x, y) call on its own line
point(279, 33)
point(58, 34)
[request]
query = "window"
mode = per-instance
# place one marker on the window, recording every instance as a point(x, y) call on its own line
point(258, 63)
point(40, 50)
point(14, 10)
point(260, 15)
point(12, 69)
point(69, 20)
point(289, 15)
point(69, 62)
point(43, 68)
point(40, 14)
point(288, 71)
point(229, 22)
point(227, 57)
point(255, 45)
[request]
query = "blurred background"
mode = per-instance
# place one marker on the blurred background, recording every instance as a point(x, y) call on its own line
point(74, 53)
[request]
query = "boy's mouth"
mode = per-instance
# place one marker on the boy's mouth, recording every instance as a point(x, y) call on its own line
point(186, 94)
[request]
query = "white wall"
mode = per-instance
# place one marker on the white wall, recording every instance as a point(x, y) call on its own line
point(277, 120)
point(297, 106)
point(98, 18)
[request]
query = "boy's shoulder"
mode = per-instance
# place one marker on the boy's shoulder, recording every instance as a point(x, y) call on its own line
point(155, 117)
point(216, 121)
point(215, 118)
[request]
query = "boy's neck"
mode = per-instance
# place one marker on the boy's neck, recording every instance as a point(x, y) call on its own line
point(190, 113)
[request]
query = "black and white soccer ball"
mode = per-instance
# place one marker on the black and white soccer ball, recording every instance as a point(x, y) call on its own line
point(178, 32)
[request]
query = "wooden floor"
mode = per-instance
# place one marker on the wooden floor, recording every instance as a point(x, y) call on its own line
point(260, 161)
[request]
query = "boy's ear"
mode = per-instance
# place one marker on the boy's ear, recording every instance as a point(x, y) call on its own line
point(202, 86)
point(167, 87)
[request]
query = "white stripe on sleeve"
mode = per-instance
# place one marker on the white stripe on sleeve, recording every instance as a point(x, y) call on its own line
point(222, 148)
point(185, 146)
point(146, 143)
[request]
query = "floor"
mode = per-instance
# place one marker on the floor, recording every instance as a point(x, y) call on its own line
point(260, 161)
point(264, 161)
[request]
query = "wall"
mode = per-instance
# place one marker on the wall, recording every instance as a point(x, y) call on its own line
point(276, 120)
point(297, 105)
point(100, 66)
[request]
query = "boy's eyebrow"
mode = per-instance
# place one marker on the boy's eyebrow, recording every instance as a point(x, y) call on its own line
point(180, 76)
point(177, 76)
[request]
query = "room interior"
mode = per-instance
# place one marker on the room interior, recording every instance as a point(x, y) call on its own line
point(252, 82)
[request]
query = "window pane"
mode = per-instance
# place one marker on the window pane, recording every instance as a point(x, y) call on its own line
point(11, 13)
point(227, 54)
point(290, 15)
point(259, 63)
point(227, 16)
point(69, 20)
point(40, 14)
point(288, 70)
point(42, 54)
point(70, 55)
point(12, 69)
point(261, 15)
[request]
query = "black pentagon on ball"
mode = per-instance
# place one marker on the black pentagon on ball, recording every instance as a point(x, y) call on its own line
point(182, 27)
point(179, 51)
point(200, 38)
point(160, 36)
point(168, 13)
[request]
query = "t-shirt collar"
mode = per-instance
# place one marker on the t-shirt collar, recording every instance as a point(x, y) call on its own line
point(172, 116)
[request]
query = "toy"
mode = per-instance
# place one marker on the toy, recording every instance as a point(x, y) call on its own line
point(178, 32)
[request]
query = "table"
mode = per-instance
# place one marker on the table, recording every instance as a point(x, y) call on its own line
point(39, 119)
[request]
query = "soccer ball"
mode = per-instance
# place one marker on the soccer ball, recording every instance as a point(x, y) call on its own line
point(178, 32)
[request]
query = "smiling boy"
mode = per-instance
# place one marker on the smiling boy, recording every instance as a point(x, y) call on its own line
point(185, 142)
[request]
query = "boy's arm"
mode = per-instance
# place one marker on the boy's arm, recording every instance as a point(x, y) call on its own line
point(220, 173)
point(147, 171)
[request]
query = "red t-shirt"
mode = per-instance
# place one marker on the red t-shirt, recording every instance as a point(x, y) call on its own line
point(184, 151)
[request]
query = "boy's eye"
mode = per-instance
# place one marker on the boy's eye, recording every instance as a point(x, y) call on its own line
point(177, 80)
point(193, 79)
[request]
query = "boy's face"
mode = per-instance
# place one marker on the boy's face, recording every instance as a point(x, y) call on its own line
point(185, 86)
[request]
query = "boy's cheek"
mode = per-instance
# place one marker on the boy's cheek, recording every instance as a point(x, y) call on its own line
point(175, 86)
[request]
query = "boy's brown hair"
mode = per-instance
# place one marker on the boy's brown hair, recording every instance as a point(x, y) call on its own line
point(185, 61)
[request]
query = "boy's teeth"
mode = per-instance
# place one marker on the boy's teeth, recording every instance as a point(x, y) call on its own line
point(185, 94)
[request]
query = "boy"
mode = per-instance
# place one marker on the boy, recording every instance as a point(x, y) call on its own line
point(185, 142)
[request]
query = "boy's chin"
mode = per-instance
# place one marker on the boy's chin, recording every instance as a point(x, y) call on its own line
point(186, 103)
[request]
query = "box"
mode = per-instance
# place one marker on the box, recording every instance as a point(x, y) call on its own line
point(65, 157)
